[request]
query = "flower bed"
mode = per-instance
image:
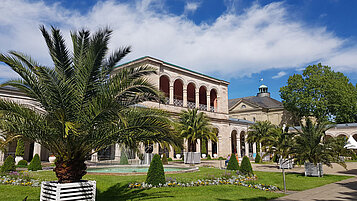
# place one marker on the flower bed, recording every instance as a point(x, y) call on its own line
point(19, 179)
point(234, 180)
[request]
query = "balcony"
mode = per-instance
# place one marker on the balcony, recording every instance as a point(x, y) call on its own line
point(178, 102)
point(191, 105)
point(203, 107)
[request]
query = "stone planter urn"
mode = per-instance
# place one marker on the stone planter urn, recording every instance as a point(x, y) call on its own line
point(18, 158)
point(313, 170)
point(203, 155)
point(215, 155)
point(178, 156)
point(52, 159)
point(52, 190)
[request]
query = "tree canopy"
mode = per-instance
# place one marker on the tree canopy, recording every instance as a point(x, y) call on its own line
point(322, 93)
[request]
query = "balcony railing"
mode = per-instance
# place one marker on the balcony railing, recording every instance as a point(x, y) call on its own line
point(212, 109)
point(203, 107)
point(167, 100)
point(178, 102)
point(191, 105)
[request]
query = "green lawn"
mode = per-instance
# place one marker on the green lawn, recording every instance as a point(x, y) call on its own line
point(115, 187)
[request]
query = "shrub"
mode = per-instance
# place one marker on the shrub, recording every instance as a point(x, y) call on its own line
point(164, 159)
point(209, 157)
point(258, 159)
point(169, 159)
point(9, 164)
point(233, 163)
point(20, 147)
point(203, 147)
point(35, 163)
point(221, 158)
point(275, 158)
point(123, 159)
point(177, 150)
point(22, 163)
point(156, 174)
point(246, 167)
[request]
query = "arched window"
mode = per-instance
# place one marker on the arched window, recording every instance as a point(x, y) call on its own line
point(165, 87)
point(214, 101)
point(203, 98)
point(178, 93)
point(234, 141)
point(191, 95)
point(243, 106)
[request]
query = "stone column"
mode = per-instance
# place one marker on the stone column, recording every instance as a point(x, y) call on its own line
point(209, 148)
point(198, 146)
point(246, 144)
point(171, 152)
point(219, 141)
point(171, 102)
point(117, 152)
point(94, 157)
point(208, 102)
point(37, 149)
point(254, 148)
point(238, 147)
point(184, 96)
point(155, 148)
point(197, 98)
point(2, 155)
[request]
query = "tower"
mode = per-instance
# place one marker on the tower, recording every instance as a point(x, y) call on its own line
point(263, 91)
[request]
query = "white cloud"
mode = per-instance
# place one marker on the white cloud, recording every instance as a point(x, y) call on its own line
point(258, 39)
point(279, 75)
point(191, 7)
point(7, 73)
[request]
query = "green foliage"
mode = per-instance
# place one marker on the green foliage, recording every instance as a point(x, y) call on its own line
point(169, 159)
point(209, 157)
point(156, 174)
point(322, 93)
point(280, 143)
point(20, 147)
point(86, 101)
point(203, 146)
point(9, 164)
point(164, 159)
point(22, 163)
point(258, 132)
point(177, 150)
point(233, 163)
point(123, 159)
point(35, 163)
point(311, 147)
point(275, 158)
point(221, 158)
point(258, 159)
point(246, 167)
point(194, 125)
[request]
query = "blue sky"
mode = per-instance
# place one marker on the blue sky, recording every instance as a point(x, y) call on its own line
point(239, 41)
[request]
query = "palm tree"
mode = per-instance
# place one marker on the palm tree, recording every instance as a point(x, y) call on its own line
point(193, 125)
point(258, 132)
point(85, 106)
point(280, 142)
point(311, 147)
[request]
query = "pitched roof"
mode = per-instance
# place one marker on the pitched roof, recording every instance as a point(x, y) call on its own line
point(264, 102)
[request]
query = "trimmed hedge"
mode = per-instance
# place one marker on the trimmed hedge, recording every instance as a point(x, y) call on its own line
point(258, 159)
point(209, 157)
point(22, 163)
point(20, 147)
point(156, 174)
point(164, 159)
point(246, 167)
point(233, 163)
point(203, 147)
point(123, 159)
point(169, 159)
point(9, 165)
point(35, 163)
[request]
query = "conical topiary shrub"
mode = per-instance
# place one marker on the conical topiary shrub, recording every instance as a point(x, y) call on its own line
point(246, 167)
point(164, 159)
point(35, 163)
point(233, 163)
point(9, 164)
point(20, 147)
point(156, 174)
point(123, 159)
point(258, 159)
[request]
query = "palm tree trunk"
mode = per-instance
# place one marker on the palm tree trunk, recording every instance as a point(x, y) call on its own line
point(68, 171)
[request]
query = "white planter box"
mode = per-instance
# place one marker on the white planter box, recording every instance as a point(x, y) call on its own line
point(192, 157)
point(52, 159)
point(215, 155)
point(203, 155)
point(313, 170)
point(17, 159)
point(81, 191)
